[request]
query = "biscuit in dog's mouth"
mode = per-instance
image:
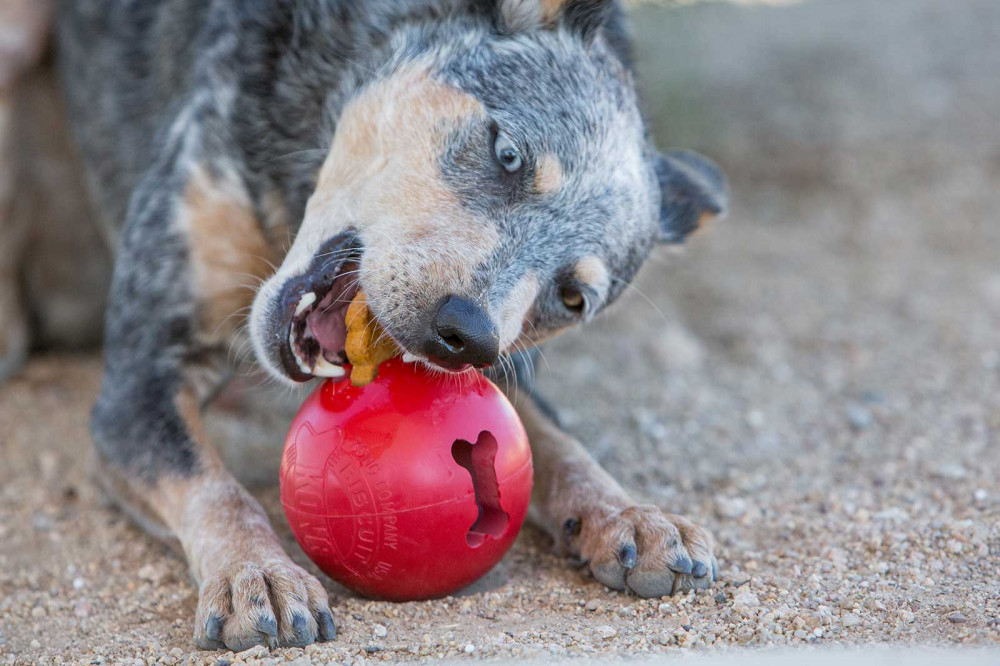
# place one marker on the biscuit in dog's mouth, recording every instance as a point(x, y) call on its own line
point(317, 333)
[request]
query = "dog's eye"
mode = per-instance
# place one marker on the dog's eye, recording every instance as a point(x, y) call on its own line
point(507, 154)
point(573, 299)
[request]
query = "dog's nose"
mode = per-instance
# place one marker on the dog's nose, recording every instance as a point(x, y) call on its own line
point(462, 334)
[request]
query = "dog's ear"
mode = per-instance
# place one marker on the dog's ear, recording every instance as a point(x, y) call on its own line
point(693, 191)
point(584, 17)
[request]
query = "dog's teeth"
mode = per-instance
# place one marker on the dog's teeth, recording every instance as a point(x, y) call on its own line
point(409, 358)
point(324, 368)
point(298, 361)
point(305, 302)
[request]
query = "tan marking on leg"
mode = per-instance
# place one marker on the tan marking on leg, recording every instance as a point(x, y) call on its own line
point(250, 591)
point(548, 174)
point(592, 271)
point(230, 254)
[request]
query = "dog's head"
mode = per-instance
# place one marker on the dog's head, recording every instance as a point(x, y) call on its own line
point(490, 188)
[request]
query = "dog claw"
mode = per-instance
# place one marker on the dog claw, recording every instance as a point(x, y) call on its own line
point(267, 625)
point(213, 628)
point(627, 555)
point(327, 628)
point(300, 628)
point(682, 564)
point(699, 570)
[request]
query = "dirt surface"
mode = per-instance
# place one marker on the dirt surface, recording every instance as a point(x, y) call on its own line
point(816, 379)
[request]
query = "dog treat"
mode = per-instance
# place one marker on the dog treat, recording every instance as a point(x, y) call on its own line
point(368, 344)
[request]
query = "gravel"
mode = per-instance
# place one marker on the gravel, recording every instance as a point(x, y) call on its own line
point(815, 381)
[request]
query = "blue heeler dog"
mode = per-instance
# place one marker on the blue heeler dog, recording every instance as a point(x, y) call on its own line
point(480, 168)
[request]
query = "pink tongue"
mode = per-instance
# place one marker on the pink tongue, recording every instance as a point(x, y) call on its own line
point(328, 327)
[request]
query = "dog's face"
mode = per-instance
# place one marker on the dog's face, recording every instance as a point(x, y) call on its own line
point(486, 195)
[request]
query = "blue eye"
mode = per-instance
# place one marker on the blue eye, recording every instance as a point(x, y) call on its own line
point(507, 154)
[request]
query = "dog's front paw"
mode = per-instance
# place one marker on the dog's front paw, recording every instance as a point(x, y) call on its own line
point(271, 602)
point(643, 549)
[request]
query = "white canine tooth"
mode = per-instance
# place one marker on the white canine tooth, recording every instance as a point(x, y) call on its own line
point(409, 358)
point(302, 365)
point(298, 361)
point(324, 368)
point(305, 302)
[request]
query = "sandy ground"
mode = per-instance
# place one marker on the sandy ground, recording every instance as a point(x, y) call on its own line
point(816, 379)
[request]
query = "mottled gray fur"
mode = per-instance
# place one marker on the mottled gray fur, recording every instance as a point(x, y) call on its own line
point(251, 92)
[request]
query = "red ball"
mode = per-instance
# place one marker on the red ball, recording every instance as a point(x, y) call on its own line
point(411, 487)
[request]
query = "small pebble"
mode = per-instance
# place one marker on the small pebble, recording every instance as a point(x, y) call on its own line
point(256, 652)
point(380, 631)
point(730, 508)
point(755, 419)
point(470, 648)
point(957, 617)
point(851, 620)
point(606, 631)
point(745, 601)
point(859, 417)
point(952, 471)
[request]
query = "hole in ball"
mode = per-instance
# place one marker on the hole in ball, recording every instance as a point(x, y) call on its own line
point(478, 459)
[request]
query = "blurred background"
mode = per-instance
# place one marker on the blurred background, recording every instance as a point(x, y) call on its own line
point(816, 378)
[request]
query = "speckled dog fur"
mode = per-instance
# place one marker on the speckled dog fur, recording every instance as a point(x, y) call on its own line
point(213, 132)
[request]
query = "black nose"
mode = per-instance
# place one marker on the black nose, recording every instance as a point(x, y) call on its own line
point(462, 334)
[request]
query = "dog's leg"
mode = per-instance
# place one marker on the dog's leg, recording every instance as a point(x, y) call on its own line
point(24, 25)
point(626, 545)
point(188, 255)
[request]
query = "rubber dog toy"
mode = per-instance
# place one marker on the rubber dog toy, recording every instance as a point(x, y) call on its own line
point(411, 487)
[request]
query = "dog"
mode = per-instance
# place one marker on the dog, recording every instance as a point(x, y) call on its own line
point(481, 168)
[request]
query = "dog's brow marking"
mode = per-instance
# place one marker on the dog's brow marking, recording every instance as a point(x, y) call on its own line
point(548, 174)
point(592, 271)
point(228, 250)
point(382, 174)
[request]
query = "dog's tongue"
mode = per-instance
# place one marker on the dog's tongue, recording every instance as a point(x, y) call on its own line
point(326, 323)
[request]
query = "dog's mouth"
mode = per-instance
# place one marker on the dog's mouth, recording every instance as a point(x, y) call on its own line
point(315, 306)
